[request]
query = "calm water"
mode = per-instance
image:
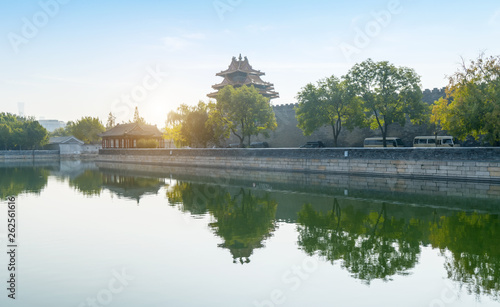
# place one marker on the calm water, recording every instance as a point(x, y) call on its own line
point(100, 235)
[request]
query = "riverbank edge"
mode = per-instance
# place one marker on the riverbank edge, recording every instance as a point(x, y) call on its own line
point(462, 164)
point(7, 156)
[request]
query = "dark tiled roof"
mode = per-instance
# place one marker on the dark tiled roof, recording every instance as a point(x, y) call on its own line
point(239, 73)
point(133, 129)
point(239, 65)
point(64, 140)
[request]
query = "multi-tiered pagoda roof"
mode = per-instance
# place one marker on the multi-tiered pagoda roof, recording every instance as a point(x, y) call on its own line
point(239, 73)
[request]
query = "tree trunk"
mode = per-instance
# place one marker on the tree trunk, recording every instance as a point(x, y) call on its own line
point(334, 136)
point(384, 134)
point(336, 127)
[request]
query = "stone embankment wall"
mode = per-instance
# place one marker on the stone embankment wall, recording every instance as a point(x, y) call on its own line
point(435, 163)
point(428, 191)
point(23, 155)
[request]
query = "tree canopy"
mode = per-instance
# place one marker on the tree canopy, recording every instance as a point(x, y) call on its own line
point(111, 121)
point(190, 126)
point(329, 103)
point(472, 103)
point(21, 132)
point(389, 94)
point(137, 118)
point(86, 129)
point(243, 111)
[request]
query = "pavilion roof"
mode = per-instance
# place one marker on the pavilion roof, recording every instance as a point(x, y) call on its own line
point(249, 80)
point(133, 129)
point(264, 91)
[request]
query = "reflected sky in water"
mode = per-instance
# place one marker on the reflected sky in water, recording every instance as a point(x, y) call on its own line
point(138, 236)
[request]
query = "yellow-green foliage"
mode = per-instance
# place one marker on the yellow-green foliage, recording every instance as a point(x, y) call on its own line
point(472, 103)
point(147, 143)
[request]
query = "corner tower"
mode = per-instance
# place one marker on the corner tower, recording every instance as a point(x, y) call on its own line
point(239, 73)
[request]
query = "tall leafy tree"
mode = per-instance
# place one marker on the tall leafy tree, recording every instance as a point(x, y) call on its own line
point(21, 133)
point(86, 129)
point(5, 136)
point(35, 135)
point(389, 94)
point(244, 112)
point(329, 103)
point(189, 126)
point(111, 121)
point(472, 103)
point(137, 118)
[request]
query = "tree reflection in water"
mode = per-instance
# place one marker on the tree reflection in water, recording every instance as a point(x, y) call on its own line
point(373, 241)
point(242, 219)
point(378, 244)
point(474, 261)
point(92, 182)
point(89, 183)
point(17, 180)
point(370, 246)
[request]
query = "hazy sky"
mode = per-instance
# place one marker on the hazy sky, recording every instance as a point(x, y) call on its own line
point(71, 58)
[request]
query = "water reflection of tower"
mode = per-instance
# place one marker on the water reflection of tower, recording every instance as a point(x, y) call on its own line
point(240, 251)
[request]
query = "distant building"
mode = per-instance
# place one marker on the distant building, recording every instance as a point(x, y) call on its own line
point(128, 135)
point(20, 109)
point(52, 124)
point(239, 73)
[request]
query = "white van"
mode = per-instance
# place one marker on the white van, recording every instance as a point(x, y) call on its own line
point(378, 142)
point(434, 141)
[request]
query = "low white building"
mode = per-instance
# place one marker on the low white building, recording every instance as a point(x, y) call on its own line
point(69, 145)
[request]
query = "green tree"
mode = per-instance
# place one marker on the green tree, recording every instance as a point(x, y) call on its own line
point(244, 112)
point(147, 143)
point(472, 103)
point(389, 94)
point(60, 132)
point(21, 133)
point(189, 126)
point(137, 118)
point(111, 121)
point(330, 103)
point(36, 135)
point(86, 129)
point(5, 136)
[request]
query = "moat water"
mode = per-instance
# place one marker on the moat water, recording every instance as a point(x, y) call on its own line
point(97, 234)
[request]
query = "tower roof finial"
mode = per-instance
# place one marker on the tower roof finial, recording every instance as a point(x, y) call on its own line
point(240, 57)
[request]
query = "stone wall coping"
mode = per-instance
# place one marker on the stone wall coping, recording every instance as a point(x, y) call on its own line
point(28, 152)
point(485, 154)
